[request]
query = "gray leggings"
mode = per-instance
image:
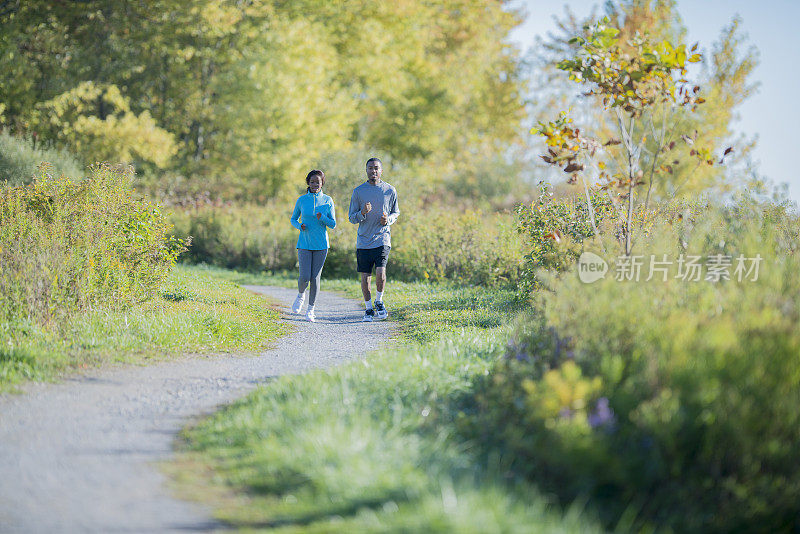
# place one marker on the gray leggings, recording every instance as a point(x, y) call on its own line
point(311, 262)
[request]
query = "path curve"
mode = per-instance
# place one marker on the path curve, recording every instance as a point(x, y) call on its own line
point(79, 456)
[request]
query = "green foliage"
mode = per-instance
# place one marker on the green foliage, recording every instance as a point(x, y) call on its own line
point(638, 84)
point(255, 92)
point(470, 247)
point(250, 238)
point(20, 157)
point(553, 231)
point(296, 111)
point(70, 246)
point(672, 404)
point(192, 311)
point(95, 121)
point(435, 244)
point(634, 79)
point(723, 83)
point(556, 230)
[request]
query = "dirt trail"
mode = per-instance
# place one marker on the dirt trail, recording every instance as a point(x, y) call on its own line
point(79, 456)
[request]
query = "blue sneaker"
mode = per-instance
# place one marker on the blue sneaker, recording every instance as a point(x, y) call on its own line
point(368, 315)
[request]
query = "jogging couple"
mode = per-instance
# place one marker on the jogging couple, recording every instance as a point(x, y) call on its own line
point(373, 206)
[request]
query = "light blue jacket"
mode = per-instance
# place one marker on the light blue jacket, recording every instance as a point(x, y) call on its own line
point(315, 236)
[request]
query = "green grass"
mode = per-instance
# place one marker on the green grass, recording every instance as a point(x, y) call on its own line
point(423, 310)
point(194, 312)
point(371, 446)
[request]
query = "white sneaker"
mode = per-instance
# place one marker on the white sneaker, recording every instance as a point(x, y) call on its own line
point(368, 316)
point(311, 316)
point(298, 303)
point(380, 310)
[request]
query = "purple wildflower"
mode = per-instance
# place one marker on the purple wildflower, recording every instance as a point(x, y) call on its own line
point(603, 415)
point(519, 351)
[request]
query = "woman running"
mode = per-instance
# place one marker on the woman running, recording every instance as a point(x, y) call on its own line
point(313, 215)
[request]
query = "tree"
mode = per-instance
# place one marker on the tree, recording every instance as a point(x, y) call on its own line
point(252, 91)
point(725, 79)
point(642, 86)
point(97, 123)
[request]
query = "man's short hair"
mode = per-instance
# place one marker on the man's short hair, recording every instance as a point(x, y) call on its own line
point(374, 159)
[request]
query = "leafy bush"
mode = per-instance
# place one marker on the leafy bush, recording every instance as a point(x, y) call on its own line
point(67, 246)
point(553, 230)
point(557, 230)
point(96, 121)
point(468, 246)
point(19, 160)
point(246, 237)
point(677, 402)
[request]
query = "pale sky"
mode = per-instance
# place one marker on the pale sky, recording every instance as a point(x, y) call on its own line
point(773, 113)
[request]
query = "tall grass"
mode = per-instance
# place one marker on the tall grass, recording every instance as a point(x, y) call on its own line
point(20, 158)
point(468, 246)
point(87, 277)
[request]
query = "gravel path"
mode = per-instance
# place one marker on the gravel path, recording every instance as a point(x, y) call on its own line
point(79, 456)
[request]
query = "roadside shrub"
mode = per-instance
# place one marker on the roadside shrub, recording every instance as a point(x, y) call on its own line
point(669, 404)
point(436, 244)
point(19, 160)
point(66, 245)
point(246, 237)
point(553, 231)
point(557, 230)
point(468, 246)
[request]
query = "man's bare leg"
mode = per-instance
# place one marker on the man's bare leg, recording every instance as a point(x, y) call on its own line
point(380, 279)
point(366, 278)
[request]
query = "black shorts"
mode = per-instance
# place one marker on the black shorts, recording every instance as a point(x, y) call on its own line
point(367, 258)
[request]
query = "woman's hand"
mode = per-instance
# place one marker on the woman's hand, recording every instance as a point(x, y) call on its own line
point(303, 226)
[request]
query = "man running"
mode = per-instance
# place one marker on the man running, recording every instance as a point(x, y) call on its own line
point(373, 207)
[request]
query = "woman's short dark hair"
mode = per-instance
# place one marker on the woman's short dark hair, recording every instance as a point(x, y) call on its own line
point(313, 173)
